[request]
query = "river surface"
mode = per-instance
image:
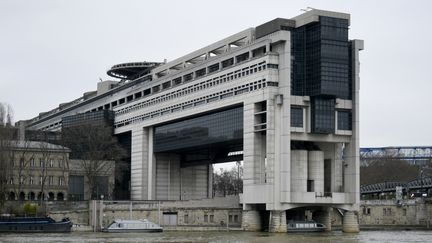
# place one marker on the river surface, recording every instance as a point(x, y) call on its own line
point(240, 237)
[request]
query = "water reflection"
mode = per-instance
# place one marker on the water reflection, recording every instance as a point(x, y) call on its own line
point(237, 237)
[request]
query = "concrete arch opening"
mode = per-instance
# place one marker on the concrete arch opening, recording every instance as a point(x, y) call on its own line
point(41, 196)
point(60, 196)
point(51, 196)
point(22, 196)
point(12, 196)
point(32, 196)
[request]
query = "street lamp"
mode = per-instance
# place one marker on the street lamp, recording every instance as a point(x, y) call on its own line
point(101, 212)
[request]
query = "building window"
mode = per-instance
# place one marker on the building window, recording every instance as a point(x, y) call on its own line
point(61, 181)
point(51, 163)
point(21, 180)
point(344, 120)
point(296, 117)
point(387, 211)
point(41, 163)
point(31, 180)
point(211, 218)
point(32, 162)
point(186, 219)
point(323, 115)
point(61, 165)
point(230, 219)
point(41, 180)
point(51, 180)
point(205, 218)
point(11, 181)
point(22, 162)
point(236, 218)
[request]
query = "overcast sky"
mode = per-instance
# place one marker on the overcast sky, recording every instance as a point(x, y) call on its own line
point(54, 51)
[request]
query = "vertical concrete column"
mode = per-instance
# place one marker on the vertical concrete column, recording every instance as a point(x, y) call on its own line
point(283, 126)
point(139, 165)
point(299, 169)
point(151, 172)
point(248, 145)
point(337, 169)
point(324, 217)
point(278, 221)
point(350, 222)
point(251, 220)
point(210, 181)
point(316, 170)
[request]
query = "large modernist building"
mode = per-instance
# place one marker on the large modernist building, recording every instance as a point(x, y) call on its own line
point(282, 97)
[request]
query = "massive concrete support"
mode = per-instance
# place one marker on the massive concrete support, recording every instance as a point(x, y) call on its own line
point(350, 222)
point(251, 220)
point(140, 160)
point(299, 168)
point(168, 177)
point(195, 182)
point(316, 170)
point(278, 222)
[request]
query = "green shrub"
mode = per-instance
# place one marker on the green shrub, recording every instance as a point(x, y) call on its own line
point(30, 208)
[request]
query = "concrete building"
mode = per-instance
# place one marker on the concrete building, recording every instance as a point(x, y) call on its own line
point(283, 97)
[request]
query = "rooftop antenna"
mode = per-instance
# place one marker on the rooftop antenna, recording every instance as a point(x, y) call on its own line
point(100, 79)
point(306, 9)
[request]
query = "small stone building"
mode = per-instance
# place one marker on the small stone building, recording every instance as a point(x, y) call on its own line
point(36, 170)
point(41, 170)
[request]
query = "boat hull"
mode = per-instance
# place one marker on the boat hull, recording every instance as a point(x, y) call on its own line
point(132, 230)
point(34, 225)
point(295, 230)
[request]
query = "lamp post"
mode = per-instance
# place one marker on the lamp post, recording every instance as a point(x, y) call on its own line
point(101, 212)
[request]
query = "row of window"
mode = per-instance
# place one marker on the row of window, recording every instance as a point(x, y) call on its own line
point(197, 87)
point(209, 218)
point(185, 78)
point(49, 180)
point(256, 85)
point(256, 53)
point(42, 163)
point(344, 118)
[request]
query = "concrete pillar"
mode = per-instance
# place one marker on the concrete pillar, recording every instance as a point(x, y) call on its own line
point(251, 220)
point(324, 217)
point(350, 222)
point(139, 164)
point(316, 170)
point(277, 223)
point(299, 168)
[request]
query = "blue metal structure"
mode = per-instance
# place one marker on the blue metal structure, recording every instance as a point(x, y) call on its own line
point(416, 155)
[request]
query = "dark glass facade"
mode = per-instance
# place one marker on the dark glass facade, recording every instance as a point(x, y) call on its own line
point(76, 188)
point(344, 120)
point(296, 117)
point(320, 63)
point(321, 68)
point(206, 130)
point(102, 117)
point(323, 115)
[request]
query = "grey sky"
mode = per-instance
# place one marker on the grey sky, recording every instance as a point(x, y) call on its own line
point(53, 51)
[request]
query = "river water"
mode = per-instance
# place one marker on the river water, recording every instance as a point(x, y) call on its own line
point(240, 237)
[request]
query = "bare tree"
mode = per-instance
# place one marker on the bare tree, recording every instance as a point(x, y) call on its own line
point(388, 168)
point(95, 146)
point(228, 182)
point(21, 155)
point(7, 134)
